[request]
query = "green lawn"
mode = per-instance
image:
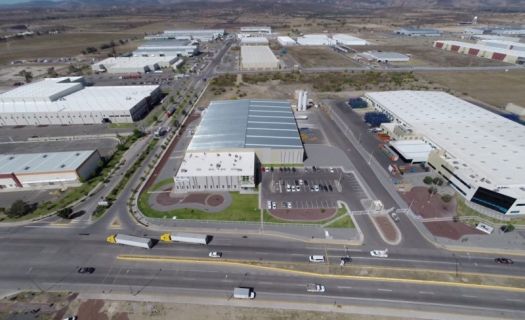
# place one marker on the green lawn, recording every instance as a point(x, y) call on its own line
point(344, 222)
point(244, 207)
point(157, 186)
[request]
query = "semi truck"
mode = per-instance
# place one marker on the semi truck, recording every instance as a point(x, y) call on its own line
point(133, 241)
point(243, 293)
point(192, 238)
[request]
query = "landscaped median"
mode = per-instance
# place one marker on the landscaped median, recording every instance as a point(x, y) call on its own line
point(436, 277)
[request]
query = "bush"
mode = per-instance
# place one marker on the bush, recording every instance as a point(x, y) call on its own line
point(428, 180)
point(437, 181)
point(20, 208)
point(446, 198)
point(507, 228)
point(64, 213)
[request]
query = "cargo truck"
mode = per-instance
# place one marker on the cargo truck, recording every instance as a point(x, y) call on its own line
point(243, 293)
point(192, 238)
point(133, 241)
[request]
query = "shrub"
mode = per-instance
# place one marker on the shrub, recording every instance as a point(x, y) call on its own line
point(446, 198)
point(428, 180)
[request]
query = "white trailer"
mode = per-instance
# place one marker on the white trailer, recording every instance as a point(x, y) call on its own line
point(192, 238)
point(133, 241)
point(243, 293)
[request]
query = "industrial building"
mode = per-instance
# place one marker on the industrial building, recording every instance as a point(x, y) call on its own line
point(382, 56)
point(510, 45)
point(348, 40)
point(416, 32)
point(216, 171)
point(47, 170)
point(493, 37)
point(482, 51)
point(478, 152)
point(257, 30)
point(62, 101)
point(266, 127)
point(286, 41)
point(133, 64)
point(202, 35)
point(167, 47)
point(315, 40)
point(258, 58)
point(509, 31)
point(254, 41)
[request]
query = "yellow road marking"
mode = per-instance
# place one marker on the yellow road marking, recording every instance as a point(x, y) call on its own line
point(317, 275)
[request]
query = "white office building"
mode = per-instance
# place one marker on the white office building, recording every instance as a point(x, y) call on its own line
point(286, 41)
point(478, 152)
point(62, 101)
point(216, 171)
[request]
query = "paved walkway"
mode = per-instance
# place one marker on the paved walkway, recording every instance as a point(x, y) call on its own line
point(210, 202)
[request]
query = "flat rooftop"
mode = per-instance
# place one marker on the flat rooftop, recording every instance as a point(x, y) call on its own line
point(257, 54)
point(247, 124)
point(134, 62)
point(481, 47)
point(27, 163)
point(217, 164)
point(71, 97)
point(165, 43)
point(481, 144)
point(385, 55)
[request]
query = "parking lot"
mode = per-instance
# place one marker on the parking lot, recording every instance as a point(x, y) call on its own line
point(309, 188)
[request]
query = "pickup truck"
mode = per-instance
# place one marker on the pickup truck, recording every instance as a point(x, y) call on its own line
point(313, 287)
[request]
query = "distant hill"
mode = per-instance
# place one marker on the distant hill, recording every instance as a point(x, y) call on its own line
point(497, 5)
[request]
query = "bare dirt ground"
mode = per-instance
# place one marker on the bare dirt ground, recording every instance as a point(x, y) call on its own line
point(387, 227)
point(429, 207)
point(495, 88)
point(449, 229)
point(320, 57)
point(32, 306)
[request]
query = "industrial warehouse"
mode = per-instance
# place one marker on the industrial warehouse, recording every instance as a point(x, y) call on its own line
point(47, 170)
point(482, 51)
point(417, 32)
point(203, 35)
point(266, 127)
point(216, 171)
point(258, 57)
point(167, 47)
point(478, 152)
point(60, 101)
point(134, 64)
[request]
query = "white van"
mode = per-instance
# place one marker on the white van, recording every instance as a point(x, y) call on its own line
point(243, 293)
point(316, 258)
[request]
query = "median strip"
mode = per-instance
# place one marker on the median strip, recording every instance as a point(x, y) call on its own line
point(289, 270)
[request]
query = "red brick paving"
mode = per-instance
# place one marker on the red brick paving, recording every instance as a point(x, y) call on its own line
point(196, 198)
point(214, 200)
point(164, 198)
point(450, 229)
point(92, 309)
point(310, 215)
point(387, 227)
point(436, 208)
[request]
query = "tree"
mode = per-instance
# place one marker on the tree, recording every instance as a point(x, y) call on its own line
point(28, 76)
point(446, 198)
point(19, 208)
point(507, 228)
point(432, 191)
point(64, 213)
point(437, 181)
point(52, 72)
point(427, 180)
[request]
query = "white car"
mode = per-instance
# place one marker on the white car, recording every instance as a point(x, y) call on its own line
point(274, 205)
point(288, 189)
point(379, 253)
point(316, 259)
point(301, 182)
point(293, 188)
point(332, 170)
point(313, 287)
point(269, 204)
point(289, 205)
point(215, 254)
point(316, 188)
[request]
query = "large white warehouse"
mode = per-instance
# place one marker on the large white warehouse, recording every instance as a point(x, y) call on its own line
point(167, 47)
point(348, 40)
point(315, 40)
point(254, 41)
point(286, 41)
point(216, 171)
point(199, 34)
point(478, 152)
point(258, 58)
point(266, 127)
point(482, 51)
point(133, 64)
point(59, 101)
point(47, 170)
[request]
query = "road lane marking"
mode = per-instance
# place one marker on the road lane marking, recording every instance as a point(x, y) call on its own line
point(426, 292)
point(344, 287)
point(384, 290)
point(468, 296)
point(514, 300)
point(128, 257)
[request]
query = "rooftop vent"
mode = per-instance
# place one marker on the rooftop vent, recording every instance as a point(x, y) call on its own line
point(62, 166)
point(26, 168)
point(77, 154)
point(11, 158)
point(44, 156)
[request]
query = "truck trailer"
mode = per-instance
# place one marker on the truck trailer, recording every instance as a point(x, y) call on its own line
point(243, 293)
point(193, 238)
point(133, 241)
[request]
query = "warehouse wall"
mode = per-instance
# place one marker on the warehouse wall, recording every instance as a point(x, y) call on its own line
point(89, 166)
point(48, 179)
point(207, 183)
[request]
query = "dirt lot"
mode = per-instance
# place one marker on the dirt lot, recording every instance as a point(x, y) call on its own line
point(495, 88)
point(320, 57)
point(29, 306)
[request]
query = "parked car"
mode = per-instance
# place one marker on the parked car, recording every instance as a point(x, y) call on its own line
point(379, 253)
point(215, 254)
point(268, 204)
point(316, 188)
point(332, 170)
point(274, 205)
point(289, 205)
point(86, 270)
point(395, 217)
point(503, 260)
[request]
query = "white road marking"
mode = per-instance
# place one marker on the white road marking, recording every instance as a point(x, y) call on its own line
point(514, 300)
point(468, 296)
point(344, 287)
point(425, 292)
point(384, 290)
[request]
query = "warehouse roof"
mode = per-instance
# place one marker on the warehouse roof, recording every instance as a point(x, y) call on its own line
point(254, 40)
point(482, 144)
point(217, 164)
point(512, 45)
point(43, 162)
point(480, 47)
point(247, 124)
point(71, 99)
point(258, 55)
point(163, 43)
point(412, 150)
point(134, 62)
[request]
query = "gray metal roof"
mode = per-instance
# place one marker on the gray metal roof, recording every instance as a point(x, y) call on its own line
point(43, 162)
point(247, 124)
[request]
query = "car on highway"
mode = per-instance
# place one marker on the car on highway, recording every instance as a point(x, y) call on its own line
point(395, 217)
point(316, 258)
point(345, 260)
point(313, 287)
point(86, 270)
point(503, 260)
point(215, 254)
point(379, 253)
